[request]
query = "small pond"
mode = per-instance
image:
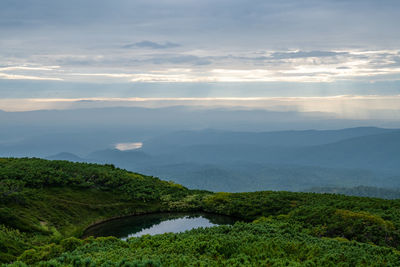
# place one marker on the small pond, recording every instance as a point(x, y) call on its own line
point(157, 223)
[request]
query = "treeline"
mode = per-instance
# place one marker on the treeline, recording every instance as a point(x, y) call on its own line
point(18, 174)
point(361, 191)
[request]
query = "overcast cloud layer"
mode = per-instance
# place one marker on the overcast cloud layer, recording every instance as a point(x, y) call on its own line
point(282, 48)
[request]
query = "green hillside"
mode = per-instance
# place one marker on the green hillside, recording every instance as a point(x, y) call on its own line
point(46, 205)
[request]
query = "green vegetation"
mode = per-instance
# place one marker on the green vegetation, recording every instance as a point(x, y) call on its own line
point(361, 191)
point(46, 205)
point(49, 200)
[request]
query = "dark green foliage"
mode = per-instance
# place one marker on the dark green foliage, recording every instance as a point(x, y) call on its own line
point(12, 190)
point(52, 199)
point(12, 243)
point(38, 173)
point(46, 205)
point(363, 219)
point(71, 243)
point(244, 244)
point(361, 191)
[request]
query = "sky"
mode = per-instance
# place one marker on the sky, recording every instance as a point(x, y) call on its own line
point(213, 51)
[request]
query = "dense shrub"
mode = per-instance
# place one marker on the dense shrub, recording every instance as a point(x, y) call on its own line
point(45, 205)
point(244, 244)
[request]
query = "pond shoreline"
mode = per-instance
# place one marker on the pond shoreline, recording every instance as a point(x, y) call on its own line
point(160, 216)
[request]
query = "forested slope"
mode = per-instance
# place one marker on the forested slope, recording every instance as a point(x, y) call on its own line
point(45, 206)
point(48, 200)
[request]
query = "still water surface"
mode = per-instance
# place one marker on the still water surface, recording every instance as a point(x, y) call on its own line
point(158, 223)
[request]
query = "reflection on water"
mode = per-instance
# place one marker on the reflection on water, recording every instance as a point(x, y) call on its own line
point(158, 223)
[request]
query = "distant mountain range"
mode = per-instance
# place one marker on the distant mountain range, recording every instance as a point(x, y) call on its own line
point(82, 131)
point(359, 148)
point(67, 156)
point(375, 152)
point(277, 138)
point(248, 161)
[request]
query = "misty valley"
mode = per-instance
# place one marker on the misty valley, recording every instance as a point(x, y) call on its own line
point(363, 158)
point(85, 188)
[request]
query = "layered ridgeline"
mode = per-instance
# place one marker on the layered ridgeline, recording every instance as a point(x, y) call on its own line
point(46, 205)
point(250, 161)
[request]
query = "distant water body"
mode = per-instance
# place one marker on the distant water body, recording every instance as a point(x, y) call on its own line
point(128, 146)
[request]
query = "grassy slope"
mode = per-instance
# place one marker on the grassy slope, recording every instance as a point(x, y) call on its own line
point(54, 200)
point(50, 200)
point(55, 213)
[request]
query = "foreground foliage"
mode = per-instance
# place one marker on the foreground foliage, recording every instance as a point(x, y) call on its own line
point(48, 200)
point(45, 206)
point(249, 244)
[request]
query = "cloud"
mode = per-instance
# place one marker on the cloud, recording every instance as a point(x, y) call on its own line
point(305, 25)
point(180, 59)
point(152, 45)
point(342, 106)
point(197, 66)
point(219, 41)
point(8, 68)
point(27, 77)
point(29, 72)
point(306, 54)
